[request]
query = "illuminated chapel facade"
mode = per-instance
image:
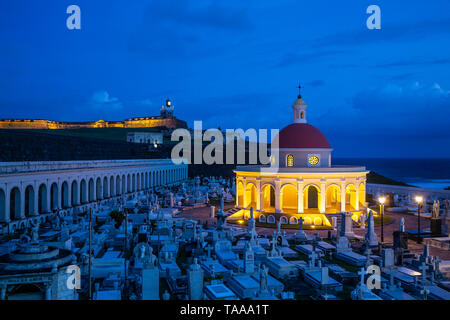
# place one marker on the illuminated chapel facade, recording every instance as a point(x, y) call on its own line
point(305, 185)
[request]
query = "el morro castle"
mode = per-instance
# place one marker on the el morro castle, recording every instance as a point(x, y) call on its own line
point(165, 119)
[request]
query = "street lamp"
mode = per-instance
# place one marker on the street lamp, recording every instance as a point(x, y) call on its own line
point(382, 200)
point(419, 200)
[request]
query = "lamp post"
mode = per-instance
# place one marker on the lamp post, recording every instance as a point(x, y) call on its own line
point(382, 200)
point(419, 200)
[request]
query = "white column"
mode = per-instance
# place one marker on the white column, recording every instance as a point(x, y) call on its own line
point(258, 194)
point(363, 200)
point(69, 193)
point(322, 196)
point(7, 204)
point(261, 199)
point(343, 195)
point(36, 198)
point(244, 195)
point(300, 208)
point(22, 202)
point(77, 199)
point(59, 186)
point(48, 187)
point(357, 195)
point(277, 196)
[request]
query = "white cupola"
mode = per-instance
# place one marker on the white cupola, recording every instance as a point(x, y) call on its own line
point(299, 108)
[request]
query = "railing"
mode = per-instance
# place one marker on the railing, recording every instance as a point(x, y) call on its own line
point(267, 169)
point(38, 166)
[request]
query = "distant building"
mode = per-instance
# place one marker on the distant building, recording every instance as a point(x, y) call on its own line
point(153, 138)
point(165, 119)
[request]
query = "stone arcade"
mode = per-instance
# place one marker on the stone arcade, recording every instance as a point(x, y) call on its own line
point(34, 190)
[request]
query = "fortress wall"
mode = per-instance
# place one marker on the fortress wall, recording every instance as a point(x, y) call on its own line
point(149, 123)
point(169, 122)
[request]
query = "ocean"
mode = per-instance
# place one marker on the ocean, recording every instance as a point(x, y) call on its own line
point(424, 173)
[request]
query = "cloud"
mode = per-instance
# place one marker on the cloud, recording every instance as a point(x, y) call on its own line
point(413, 63)
point(102, 100)
point(414, 110)
point(181, 28)
point(388, 33)
point(202, 14)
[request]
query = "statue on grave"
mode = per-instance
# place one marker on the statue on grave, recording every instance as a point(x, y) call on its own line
point(65, 234)
point(34, 231)
point(143, 253)
point(263, 279)
point(436, 207)
point(401, 226)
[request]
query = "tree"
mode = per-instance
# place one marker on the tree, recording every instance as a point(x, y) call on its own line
point(117, 216)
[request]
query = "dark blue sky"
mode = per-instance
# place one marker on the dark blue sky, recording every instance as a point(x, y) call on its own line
point(373, 93)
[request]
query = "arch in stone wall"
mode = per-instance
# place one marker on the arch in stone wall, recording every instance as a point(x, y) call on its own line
point(54, 194)
point(98, 189)
point(105, 188)
point(64, 195)
point(112, 189)
point(29, 201)
point(42, 199)
point(74, 196)
point(14, 204)
point(91, 190)
point(2, 205)
point(118, 186)
point(83, 192)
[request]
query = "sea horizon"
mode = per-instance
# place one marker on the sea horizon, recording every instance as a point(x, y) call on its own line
point(432, 173)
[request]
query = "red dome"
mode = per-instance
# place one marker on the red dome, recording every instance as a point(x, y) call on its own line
point(303, 136)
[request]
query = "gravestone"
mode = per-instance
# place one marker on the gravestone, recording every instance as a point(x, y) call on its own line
point(195, 281)
point(300, 235)
point(334, 222)
point(343, 245)
point(371, 236)
point(363, 220)
point(346, 225)
point(324, 279)
point(249, 259)
point(150, 277)
point(388, 258)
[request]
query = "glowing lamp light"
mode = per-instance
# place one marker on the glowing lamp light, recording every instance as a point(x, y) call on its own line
point(240, 221)
point(419, 199)
point(382, 200)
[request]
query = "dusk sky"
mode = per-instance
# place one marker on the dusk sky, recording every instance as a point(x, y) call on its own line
point(237, 64)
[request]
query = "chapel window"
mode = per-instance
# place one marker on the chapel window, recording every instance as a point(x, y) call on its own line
point(290, 160)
